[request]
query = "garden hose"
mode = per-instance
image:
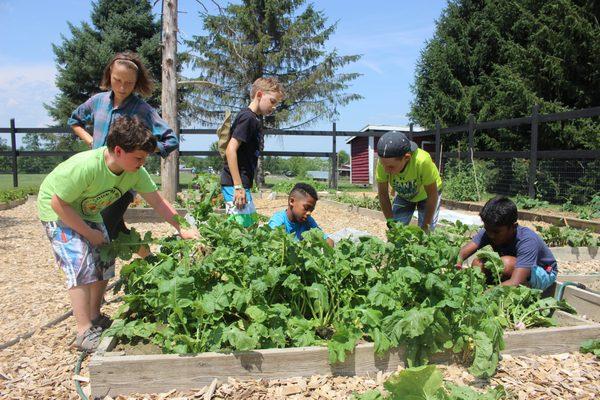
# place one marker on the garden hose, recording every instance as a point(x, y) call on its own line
point(562, 287)
point(77, 370)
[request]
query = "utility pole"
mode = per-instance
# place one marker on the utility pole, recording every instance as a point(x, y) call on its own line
point(169, 167)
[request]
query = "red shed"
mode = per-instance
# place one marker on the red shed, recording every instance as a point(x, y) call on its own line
point(363, 152)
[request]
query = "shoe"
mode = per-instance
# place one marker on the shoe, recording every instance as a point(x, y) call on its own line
point(89, 340)
point(103, 321)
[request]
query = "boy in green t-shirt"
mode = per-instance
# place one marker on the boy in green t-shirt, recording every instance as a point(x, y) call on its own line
point(414, 177)
point(69, 203)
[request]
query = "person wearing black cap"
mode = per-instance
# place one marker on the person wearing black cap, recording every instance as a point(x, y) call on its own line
point(414, 177)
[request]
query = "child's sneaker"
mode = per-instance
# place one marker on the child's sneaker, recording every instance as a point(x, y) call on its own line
point(89, 340)
point(103, 321)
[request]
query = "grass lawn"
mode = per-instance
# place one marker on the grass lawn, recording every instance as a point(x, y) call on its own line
point(25, 180)
point(344, 184)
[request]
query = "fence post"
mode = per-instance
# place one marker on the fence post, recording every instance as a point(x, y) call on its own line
point(410, 131)
point(535, 118)
point(333, 183)
point(13, 145)
point(438, 145)
point(471, 138)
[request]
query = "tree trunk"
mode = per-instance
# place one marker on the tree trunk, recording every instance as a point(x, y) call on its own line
point(170, 166)
point(260, 173)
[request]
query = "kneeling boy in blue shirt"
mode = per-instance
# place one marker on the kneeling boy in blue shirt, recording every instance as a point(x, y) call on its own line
point(526, 257)
point(296, 218)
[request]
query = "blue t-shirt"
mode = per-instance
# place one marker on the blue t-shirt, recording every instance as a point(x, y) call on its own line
point(281, 218)
point(527, 246)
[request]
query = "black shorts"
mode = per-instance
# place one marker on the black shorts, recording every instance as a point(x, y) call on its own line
point(113, 216)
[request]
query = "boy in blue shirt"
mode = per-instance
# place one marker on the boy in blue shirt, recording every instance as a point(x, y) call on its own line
point(527, 259)
point(296, 218)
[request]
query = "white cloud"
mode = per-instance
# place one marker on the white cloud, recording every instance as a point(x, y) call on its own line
point(24, 88)
point(373, 41)
point(372, 66)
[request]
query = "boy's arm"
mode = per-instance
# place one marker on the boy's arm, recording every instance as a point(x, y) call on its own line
point(313, 224)
point(384, 199)
point(430, 204)
point(166, 210)
point(526, 259)
point(518, 277)
point(465, 252)
point(239, 196)
point(74, 221)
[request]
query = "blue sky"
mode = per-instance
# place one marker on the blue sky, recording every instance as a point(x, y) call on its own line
point(389, 34)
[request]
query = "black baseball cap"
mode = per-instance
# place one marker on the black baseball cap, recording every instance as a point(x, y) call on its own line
point(395, 144)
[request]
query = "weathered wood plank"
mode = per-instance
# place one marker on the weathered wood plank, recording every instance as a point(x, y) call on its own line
point(529, 216)
point(549, 340)
point(112, 374)
point(585, 302)
point(12, 204)
point(139, 214)
point(566, 253)
point(584, 279)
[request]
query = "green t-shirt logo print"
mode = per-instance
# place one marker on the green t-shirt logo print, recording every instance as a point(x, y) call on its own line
point(406, 190)
point(93, 205)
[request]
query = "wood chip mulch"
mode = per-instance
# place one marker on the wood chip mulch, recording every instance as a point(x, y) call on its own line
point(32, 293)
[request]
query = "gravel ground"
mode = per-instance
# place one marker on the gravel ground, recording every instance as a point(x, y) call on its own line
point(41, 367)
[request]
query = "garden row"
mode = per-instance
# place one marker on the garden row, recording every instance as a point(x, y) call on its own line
point(10, 198)
point(247, 289)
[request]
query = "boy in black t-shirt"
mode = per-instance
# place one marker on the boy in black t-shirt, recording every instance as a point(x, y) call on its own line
point(244, 147)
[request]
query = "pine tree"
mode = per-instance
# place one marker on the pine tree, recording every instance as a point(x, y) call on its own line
point(495, 59)
point(117, 25)
point(269, 38)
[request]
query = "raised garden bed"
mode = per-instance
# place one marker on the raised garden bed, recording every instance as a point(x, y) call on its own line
point(587, 303)
point(113, 373)
point(594, 226)
point(567, 253)
point(139, 214)
point(12, 204)
point(143, 214)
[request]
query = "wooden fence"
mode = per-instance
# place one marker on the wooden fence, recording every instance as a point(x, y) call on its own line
point(533, 154)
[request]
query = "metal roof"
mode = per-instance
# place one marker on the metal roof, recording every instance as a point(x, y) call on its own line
point(387, 128)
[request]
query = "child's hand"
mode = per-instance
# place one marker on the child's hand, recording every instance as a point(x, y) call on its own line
point(189, 234)
point(239, 198)
point(95, 237)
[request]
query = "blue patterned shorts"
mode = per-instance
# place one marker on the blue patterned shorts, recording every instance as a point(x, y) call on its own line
point(79, 260)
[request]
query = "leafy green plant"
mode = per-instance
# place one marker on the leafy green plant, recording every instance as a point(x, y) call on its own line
point(257, 288)
point(528, 203)
point(286, 186)
point(204, 197)
point(555, 236)
point(591, 346)
point(588, 212)
point(364, 201)
point(7, 195)
point(464, 181)
point(427, 383)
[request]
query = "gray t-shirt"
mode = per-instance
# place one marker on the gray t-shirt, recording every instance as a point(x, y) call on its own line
point(529, 249)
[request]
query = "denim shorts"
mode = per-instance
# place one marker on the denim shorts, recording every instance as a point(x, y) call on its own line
point(246, 215)
point(78, 259)
point(541, 279)
point(403, 210)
